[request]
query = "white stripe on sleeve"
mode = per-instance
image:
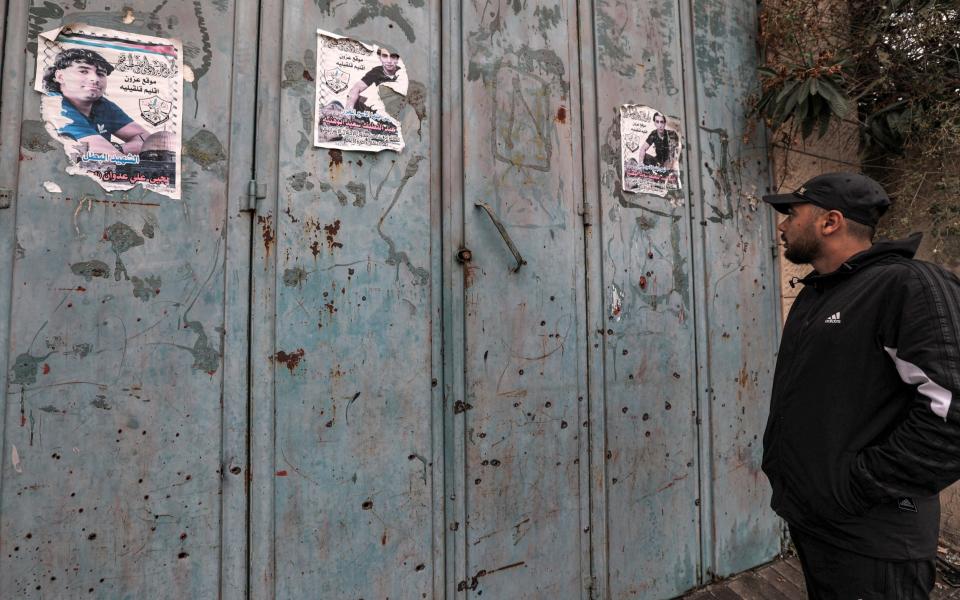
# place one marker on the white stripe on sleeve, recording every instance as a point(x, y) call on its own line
point(940, 397)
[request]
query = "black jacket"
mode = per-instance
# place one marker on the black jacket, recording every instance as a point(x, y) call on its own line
point(864, 426)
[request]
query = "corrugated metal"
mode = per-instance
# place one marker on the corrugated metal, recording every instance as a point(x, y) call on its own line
point(409, 425)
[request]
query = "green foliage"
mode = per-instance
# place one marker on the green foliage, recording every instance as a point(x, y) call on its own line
point(891, 67)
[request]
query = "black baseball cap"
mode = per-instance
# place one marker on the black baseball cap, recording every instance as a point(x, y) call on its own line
point(856, 196)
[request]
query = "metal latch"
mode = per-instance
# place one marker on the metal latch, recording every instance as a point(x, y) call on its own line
point(255, 192)
point(5, 198)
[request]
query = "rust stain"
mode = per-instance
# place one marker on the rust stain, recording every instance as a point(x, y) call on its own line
point(282, 473)
point(307, 75)
point(561, 115)
point(46, 369)
point(266, 224)
point(332, 230)
point(643, 282)
point(330, 307)
point(315, 248)
point(292, 360)
point(743, 377)
point(336, 157)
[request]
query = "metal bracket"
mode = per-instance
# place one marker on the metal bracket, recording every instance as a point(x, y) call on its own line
point(255, 193)
point(6, 197)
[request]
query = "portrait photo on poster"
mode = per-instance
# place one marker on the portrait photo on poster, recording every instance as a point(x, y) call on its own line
point(650, 150)
point(350, 112)
point(113, 100)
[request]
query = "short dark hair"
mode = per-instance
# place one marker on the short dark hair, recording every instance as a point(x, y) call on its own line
point(69, 57)
point(860, 231)
point(857, 229)
point(656, 114)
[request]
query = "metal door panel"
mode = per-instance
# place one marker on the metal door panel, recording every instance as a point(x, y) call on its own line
point(740, 321)
point(114, 391)
point(355, 273)
point(651, 470)
point(525, 398)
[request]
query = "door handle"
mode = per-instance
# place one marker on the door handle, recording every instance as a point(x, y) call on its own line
point(503, 234)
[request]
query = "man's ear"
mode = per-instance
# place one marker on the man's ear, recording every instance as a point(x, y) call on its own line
point(832, 222)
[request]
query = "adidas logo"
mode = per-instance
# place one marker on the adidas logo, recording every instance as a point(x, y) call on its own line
point(834, 318)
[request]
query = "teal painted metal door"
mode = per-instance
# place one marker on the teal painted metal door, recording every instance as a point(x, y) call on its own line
point(124, 333)
point(473, 368)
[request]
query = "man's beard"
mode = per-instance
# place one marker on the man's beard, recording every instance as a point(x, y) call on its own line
point(803, 250)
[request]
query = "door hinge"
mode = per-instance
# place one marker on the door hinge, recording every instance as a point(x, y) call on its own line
point(587, 213)
point(5, 198)
point(255, 193)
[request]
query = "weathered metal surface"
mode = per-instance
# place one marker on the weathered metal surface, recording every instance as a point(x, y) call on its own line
point(524, 410)
point(423, 422)
point(740, 314)
point(356, 378)
point(114, 391)
point(647, 332)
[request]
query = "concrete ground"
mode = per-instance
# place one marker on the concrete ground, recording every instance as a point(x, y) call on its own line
point(782, 580)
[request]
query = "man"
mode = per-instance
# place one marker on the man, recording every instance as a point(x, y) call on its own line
point(864, 429)
point(388, 71)
point(77, 82)
point(664, 144)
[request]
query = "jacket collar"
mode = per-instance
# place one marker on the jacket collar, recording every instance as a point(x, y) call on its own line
point(906, 247)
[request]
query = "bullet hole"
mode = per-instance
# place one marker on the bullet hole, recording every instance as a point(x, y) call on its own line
point(676, 375)
point(29, 536)
point(667, 405)
point(548, 404)
point(235, 470)
point(614, 481)
point(182, 555)
point(630, 376)
point(411, 457)
point(551, 298)
point(624, 409)
point(147, 497)
point(183, 536)
point(520, 371)
point(485, 463)
point(189, 477)
point(542, 323)
point(495, 462)
point(477, 481)
point(646, 416)
point(92, 536)
point(609, 454)
point(625, 352)
point(420, 567)
point(481, 435)
point(138, 481)
point(367, 505)
point(433, 383)
point(609, 332)
point(649, 254)
point(563, 424)
point(646, 434)
point(80, 510)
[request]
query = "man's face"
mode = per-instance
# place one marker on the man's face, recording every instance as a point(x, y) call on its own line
point(661, 123)
point(799, 234)
point(389, 61)
point(82, 82)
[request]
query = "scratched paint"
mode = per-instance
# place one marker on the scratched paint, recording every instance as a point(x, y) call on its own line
point(117, 397)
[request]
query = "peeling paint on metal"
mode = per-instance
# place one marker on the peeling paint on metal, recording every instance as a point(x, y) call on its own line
point(204, 149)
point(122, 238)
point(294, 277)
point(34, 136)
point(90, 269)
point(147, 288)
point(52, 187)
point(15, 458)
point(290, 359)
